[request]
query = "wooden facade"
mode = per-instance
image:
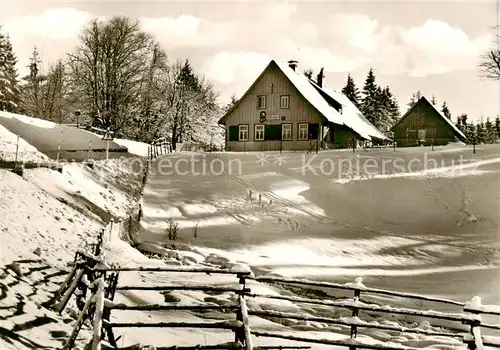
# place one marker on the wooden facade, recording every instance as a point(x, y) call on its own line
point(341, 137)
point(287, 115)
point(423, 124)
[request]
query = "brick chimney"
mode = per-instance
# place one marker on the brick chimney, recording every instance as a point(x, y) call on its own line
point(319, 77)
point(293, 64)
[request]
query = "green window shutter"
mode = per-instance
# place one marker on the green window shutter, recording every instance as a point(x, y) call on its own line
point(313, 131)
point(233, 133)
point(272, 132)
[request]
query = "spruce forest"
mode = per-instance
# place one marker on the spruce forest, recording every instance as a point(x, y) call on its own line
point(382, 110)
point(119, 77)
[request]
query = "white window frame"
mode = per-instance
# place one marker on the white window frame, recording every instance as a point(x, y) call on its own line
point(243, 132)
point(259, 132)
point(285, 98)
point(286, 132)
point(303, 128)
point(422, 134)
point(264, 98)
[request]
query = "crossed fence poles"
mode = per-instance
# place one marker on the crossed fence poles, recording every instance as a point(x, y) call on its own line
point(92, 274)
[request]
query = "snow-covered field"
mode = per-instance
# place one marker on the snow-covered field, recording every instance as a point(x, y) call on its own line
point(134, 147)
point(46, 215)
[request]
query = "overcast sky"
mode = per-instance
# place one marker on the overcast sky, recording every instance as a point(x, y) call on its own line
point(427, 45)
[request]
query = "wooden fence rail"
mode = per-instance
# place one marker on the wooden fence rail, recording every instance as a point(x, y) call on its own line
point(357, 286)
point(159, 147)
point(90, 273)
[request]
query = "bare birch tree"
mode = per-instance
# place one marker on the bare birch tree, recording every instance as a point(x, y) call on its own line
point(148, 123)
point(490, 61)
point(54, 94)
point(107, 65)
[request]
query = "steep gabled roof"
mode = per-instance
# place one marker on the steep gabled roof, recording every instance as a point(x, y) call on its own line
point(421, 100)
point(312, 93)
point(353, 118)
point(224, 117)
point(301, 83)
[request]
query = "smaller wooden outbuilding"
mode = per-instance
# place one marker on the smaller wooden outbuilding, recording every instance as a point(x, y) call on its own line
point(423, 124)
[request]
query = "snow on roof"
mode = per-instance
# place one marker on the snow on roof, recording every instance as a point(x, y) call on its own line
point(450, 123)
point(354, 119)
point(301, 82)
point(350, 117)
point(447, 120)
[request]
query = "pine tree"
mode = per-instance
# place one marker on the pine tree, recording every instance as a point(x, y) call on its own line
point(9, 89)
point(418, 95)
point(497, 127)
point(462, 122)
point(433, 100)
point(414, 98)
point(390, 109)
point(490, 133)
point(187, 77)
point(232, 103)
point(351, 91)
point(32, 95)
point(370, 105)
point(480, 132)
point(471, 133)
point(445, 110)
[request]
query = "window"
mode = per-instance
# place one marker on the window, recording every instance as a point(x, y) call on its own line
point(243, 133)
point(303, 131)
point(286, 131)
point(285, 101)
point(421, 134)
point(261, 101)
point(259, 132)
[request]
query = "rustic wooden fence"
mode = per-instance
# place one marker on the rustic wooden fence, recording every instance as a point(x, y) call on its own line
point(159, 147)
point(93, 283)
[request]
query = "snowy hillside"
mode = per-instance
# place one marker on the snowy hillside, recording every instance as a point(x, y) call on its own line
point(26, 152)
point(47, 136)
point(47, 215)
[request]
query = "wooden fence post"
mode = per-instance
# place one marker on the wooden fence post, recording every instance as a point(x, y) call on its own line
point(79, 322)
point(70, 291)
point(100, 238)
point(355, 312)
point(239, 334)
point(475, 325)
point(99, 308)
point(106, 315)
point(246, 328)
point(67, 281)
